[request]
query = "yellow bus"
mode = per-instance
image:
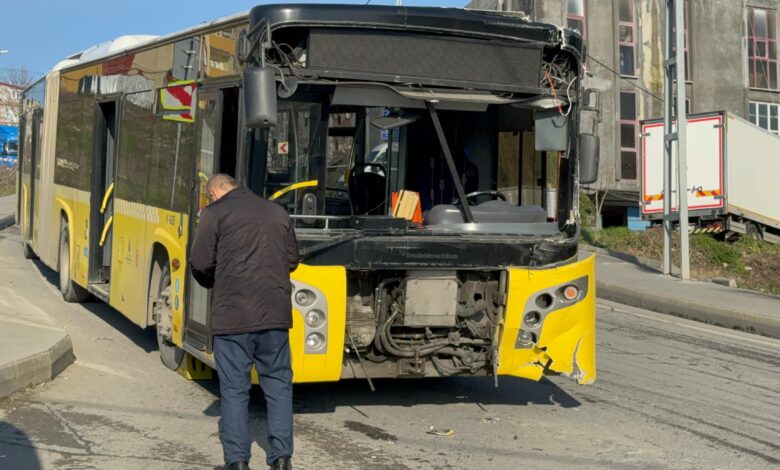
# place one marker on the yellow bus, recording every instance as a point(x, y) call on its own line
point(429, 157)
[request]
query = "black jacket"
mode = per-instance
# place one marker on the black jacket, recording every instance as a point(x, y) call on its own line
point(245, 249)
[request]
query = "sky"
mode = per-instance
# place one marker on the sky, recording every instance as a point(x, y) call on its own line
point(39, 33)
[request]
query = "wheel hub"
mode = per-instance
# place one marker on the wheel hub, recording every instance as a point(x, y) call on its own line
point(163, 316)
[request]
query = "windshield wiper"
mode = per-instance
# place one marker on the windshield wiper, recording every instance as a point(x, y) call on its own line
point(465, 210)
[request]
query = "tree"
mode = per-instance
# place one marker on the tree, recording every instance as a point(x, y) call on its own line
point(17, 76)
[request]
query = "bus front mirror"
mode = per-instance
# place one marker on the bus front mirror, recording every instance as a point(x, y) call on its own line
point(589, 158)
point(259, 89)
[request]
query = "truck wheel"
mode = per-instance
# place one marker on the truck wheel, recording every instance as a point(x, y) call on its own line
point(753, 232)
point(71, 292)
point(170, 354)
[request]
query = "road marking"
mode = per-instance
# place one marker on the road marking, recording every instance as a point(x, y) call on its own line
point(692, 327)
point(107, 370)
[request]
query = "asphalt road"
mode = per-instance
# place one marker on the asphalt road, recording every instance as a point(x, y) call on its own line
point(670, 394)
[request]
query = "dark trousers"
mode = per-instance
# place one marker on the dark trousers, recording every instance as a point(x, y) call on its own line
point(269, 352)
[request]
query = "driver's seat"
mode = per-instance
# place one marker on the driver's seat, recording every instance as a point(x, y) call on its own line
point(367, 186)
point(489, 212)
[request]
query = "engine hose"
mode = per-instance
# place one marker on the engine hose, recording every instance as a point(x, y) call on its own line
point(380, 308)
point(378, 358)
point(392, 348)
point(451, 370)
point(452, 352)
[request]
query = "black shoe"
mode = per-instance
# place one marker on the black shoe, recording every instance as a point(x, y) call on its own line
point(241, 465)
point(282, 463)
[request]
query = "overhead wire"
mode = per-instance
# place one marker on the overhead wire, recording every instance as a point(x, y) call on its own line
point(617, 74)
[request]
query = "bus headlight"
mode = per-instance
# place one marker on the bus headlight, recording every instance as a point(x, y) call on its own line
point(314, 318)
point(546, 302)
point(525, 338)
point(305, 297)
point(315, 341)
point(532, 319)
point(570, 292)
point(312, 306)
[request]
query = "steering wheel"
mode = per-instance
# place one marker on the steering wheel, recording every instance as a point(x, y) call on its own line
point(476, 194)
point(369, 168)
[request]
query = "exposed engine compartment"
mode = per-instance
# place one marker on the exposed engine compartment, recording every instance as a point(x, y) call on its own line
point(422, 322)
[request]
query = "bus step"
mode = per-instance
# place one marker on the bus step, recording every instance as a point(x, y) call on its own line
point(99, 290)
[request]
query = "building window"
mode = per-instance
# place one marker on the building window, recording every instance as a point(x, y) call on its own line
point(627, 37)
point(628, 135)
point(688, 106)
point(764, 115)
point(575, 16)
point(762, 48)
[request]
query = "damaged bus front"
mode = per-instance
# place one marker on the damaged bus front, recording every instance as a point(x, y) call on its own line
point(430, 159)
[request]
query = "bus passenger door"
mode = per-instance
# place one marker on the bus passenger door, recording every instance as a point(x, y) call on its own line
point(102, 197)
point(33, 165)
point(216, 137)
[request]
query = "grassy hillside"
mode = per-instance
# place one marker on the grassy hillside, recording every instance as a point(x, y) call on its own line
point(754, 265)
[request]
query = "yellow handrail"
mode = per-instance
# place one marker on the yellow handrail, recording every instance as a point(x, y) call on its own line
point(299, 185)
point(105, 230)
point(105, 198)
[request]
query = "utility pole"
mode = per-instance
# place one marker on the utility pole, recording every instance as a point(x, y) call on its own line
point(668, 141)
point(682, 140)
point(675, 71)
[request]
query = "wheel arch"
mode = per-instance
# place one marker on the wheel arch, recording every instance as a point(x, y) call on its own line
point(66, 215)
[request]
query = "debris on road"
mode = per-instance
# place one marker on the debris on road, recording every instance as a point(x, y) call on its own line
point(440, 431)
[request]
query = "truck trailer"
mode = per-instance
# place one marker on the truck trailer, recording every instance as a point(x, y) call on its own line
point(733, 167)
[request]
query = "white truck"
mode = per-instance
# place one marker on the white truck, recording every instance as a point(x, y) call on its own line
point(733, 175)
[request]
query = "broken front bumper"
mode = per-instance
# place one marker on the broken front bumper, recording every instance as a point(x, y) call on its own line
point(550, 322)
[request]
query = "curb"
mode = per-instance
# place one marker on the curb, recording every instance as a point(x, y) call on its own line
point(37, 368)
point(641, 260)
point(742, 321)
point(6, 222)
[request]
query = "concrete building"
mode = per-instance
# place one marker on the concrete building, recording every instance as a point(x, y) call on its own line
point(10, 96)
point(731, 63)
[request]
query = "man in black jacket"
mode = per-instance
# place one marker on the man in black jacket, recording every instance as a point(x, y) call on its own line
point(244, 250)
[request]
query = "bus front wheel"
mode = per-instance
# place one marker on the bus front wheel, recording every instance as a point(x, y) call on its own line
point(170, 354)
point(71, 292)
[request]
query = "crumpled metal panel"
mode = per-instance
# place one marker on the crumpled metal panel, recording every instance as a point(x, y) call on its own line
point(566, 341)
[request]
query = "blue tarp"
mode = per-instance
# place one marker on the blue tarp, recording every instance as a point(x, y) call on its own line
point(8, 134)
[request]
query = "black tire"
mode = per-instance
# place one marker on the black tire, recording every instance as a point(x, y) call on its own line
point(753, 232)
point(170, 355)
point(71, 292)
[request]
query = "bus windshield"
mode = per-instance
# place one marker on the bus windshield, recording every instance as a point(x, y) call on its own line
point(328, 157)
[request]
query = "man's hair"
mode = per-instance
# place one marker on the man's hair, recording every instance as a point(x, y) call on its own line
point(222, 182)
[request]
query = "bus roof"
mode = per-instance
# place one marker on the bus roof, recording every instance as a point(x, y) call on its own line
point(127, 43)
point(457, 20)
point(501, 25)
